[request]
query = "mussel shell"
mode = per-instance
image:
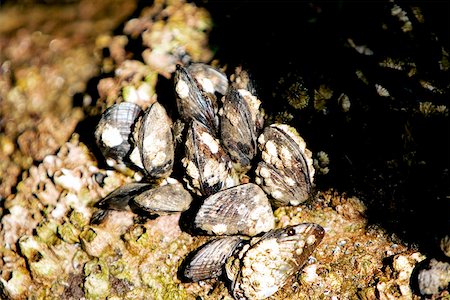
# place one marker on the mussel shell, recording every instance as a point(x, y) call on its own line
point(239, 122)
point(269, 262)
point(155, 141)
point(209, 78)
point(243, 209)
point(113, 132)
point(207, 165)
point(118, 199)
point(287, 171)
point(164, 199)
point(208, 261)
point(192, 102)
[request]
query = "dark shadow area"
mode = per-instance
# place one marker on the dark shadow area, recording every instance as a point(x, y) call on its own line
point(187, 217)
point(382, 150)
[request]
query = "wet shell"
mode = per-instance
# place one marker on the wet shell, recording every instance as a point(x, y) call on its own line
point(118, 199)
point(113, 132)
point(243, 209)
point(209, 259)
point(192, 102)
point(240, 124)
point(287, 171)
point(207, 164)
point(210, 79)
point(164, 199)
point(155, 141)
point(268, 263)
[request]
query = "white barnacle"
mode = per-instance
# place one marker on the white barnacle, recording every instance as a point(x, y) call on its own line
point(191, 168)
point(271, 148)
point(210, 141)
point(219, 229)
point(311, 239)
point(111, 162)
point(277, 194)
point(135, 157)
point(111, 136)
point(261, 139)
point(182, 89)
point(264, 172)
point(286, 156)
point(206, 84)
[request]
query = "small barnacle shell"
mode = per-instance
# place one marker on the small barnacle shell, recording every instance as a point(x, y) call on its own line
point(264, 266)
point(164, 199)
point(207, 165)
point(240, 122)
point(155, 141)
point(113, 133)
point(243, 209)
point(208, 261)
point(192, 102)
point(286, 172)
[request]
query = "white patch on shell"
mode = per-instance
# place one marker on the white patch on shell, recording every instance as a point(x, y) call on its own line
point(159, 159)
point(261, 139)
point(286, 156)
point(253, 102)
point(231, 180)
point(289, 181)
point(277, 194)
point(294, 202)
point(209, 141)
point(264, 172)
point(271, 148)
point(135, 157)
point(207, 85)
point(111, 162)
point(299, 247)
point(219, 229)
point(311, 239)
point(182, 89)
point(171, 180)
point(191, 169)
point(111, 136)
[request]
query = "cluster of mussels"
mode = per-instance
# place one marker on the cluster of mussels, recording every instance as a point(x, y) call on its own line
point(224, 135)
